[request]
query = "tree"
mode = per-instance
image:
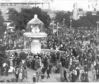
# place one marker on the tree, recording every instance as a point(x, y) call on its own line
point(23, 55)
point(2, 26)
point(85, 21)
point(63, 18)
point(21, 19)
point(82, 22)
point(3, 56)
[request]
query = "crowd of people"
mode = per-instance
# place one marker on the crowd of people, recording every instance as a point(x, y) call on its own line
point(15, 67)
point(74, 58)
point(80, 54)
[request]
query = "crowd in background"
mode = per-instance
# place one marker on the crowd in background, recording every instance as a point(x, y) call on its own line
point(79, 57)
point(75, 57)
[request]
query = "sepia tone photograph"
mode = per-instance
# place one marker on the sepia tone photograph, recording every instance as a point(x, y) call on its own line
point(49, 41)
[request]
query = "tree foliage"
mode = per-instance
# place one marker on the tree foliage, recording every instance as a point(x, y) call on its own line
point(85, 21)
point(21, 18)
point(63, 18)
point(2, 26)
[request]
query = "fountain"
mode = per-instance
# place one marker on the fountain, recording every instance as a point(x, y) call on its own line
point(35, 32)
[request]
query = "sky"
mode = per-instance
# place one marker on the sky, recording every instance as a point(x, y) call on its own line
point(68, 4)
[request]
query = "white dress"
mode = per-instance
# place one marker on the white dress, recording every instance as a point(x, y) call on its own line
point(20, 75)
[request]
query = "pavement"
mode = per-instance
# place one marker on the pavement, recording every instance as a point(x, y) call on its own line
point(30, 72)
point(5, 78)
point(53, 77)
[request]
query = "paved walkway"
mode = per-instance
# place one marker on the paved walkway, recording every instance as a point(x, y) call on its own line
point(30, 75)
point(9, 77)
point(53, 77)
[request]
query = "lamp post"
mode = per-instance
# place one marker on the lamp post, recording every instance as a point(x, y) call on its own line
point(97, 31)
point(57, 28)
point(5, 38)
point(11, 33)
point(63, 22)
point(70, 22)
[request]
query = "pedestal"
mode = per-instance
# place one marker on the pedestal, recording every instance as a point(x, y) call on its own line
point(11, 62)
point(11, 66)
point(35, 46)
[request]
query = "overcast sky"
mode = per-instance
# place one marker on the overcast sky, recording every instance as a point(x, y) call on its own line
point(68, 4)
point(62, 4)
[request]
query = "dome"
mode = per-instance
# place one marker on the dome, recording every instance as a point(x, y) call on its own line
point(35, 20)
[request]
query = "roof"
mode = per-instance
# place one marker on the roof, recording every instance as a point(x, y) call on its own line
point(35, 20)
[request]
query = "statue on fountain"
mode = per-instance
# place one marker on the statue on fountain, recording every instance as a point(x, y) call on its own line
point(35, 33)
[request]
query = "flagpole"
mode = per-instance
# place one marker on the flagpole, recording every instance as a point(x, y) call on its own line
point(57, 29)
